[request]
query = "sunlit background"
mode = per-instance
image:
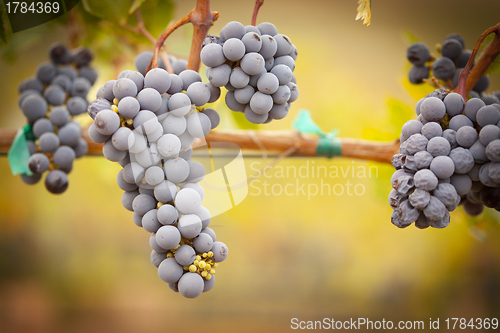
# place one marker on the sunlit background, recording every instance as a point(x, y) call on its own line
point(77, 263)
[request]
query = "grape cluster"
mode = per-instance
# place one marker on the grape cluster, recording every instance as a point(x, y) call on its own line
point(50, 100)
point(449, 156)
point(454, 58)
point(256, 66)
point(148, 124)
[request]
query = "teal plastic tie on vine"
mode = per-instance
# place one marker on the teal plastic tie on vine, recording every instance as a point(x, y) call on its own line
point(328, 145)
point(19, 153)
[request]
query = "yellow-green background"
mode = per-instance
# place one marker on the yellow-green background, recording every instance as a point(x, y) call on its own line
point(77, 263)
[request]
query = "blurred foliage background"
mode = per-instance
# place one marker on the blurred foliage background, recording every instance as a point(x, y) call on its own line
point(77, 263)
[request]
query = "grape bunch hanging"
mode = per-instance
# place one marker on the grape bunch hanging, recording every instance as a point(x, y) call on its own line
point(255, 65)
point(449, 156)
point(50, 100)
point(148, 124)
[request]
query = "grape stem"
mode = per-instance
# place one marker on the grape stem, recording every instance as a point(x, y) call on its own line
point(258, 4)
point(289, 143)
point(202, 19)
point(468, 78)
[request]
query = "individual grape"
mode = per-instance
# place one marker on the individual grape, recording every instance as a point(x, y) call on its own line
point(46, 72)
point(407, 214)
point(233, 49)
point(38, 163)
point(459, 121)
point(59, 53)
point(472, 107)
point(123, 138)
point(254, 117)
point(145, 122)
point(30, 180)
point(81, 87)
point(244, 94)
point(233, 29)
point(106, 91)
point(89, 73)
point(452, 49)
point(478, 151)
point(148, 156)
point(490, 99)
point(198, 93)
point(395, 198)
point(212, 55)
point(425, 179)
point(232, 103)
point(285, 60)
point(167, 214)
point(59, 116)
point(473, 209)
point(82, 56)
point(42, 125)
point(68, 70)
point(26, 93)
point(64, 156)
point(137, 78)
point(474, 172)
point(197, 187)
point(196, 172)
point(179, 104)
point(220, 251)
point(282, 95)
point(423, 159)
point(419, 198)
point(63, 81)
point(150, 222)
point(179, 66)
point(149, 99)
point(493, 151)
point(442, 222)
point(252, 28)
point(124, 88)
point(443, 68)
point(267, 28)
point(462, 183)
point(158, 79)
point(133, 173)
point(418, 53)
point(463, 159)
point(111, 153)
point(96, 136)
point(123, 184)
point(294, 92)
point(438, 146)
point(143, 203)
point(203, 243)
point(174, 125)
point(198, 125)
point(454, 104)
point(48, 142)
point(188, 201)
point(463, 58)
point(30, 84)
point(189, 77)
point(185, 255)
point(252, 63)
point(189, 225)
point(209, 232)
point(213, 116)
point(107, 122)
point(404, 184)
point(219, 76)
point(487, 115)
point(142, 61)
point(186, 140)
point(268, 83)
point(284, 45)
point(466, 136)
point(252, 41)
point(279, 111)
point(176, 170)
point(443, 167)
point(191, 285)
point(69, 134)
point(411, 127)
point(435, 209)
point(414, 144)
point(157, 258)
point(432, 109)
point(209, 284)
point(269, 46)
point(482, 84)
point(417, 74)
point(484, 176)
point(261, 103)
point(76, 105)
point(165, 191)
point(451, 136)
point(169, 145)
point(239, 79)
point(154, 175)
point(56, 182)
point(170, 271)
point(34, 107)
point(96, 106)
point(214, 92)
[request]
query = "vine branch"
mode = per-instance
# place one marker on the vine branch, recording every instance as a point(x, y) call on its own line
point(258, 4)
point(202, 19)
point(468, 78)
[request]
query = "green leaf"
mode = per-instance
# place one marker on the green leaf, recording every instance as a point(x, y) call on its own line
point(486, 42)
point(107, 9)
point(136, 4)
point(3, 24)
point(494, 67)
point(410, 37)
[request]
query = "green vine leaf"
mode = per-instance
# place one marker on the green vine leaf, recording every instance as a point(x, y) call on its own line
point(107, 9)
point(136, 4)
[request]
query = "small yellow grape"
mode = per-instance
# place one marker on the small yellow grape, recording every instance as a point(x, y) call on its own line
point(196, 262)
point(216, 265)
point(208, 267)
point(114, 108)
point(210, 254)
point(204, 273)
point(198, 258)
point(202, 264)
point(192, 268)
point(208, 277)
point(204, 255)
point(170, 255)
point(212, 271)
point(116, 101)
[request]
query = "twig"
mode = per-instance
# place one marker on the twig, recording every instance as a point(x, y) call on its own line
point(468, 78)
point(258, 4)
point(202, 19)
